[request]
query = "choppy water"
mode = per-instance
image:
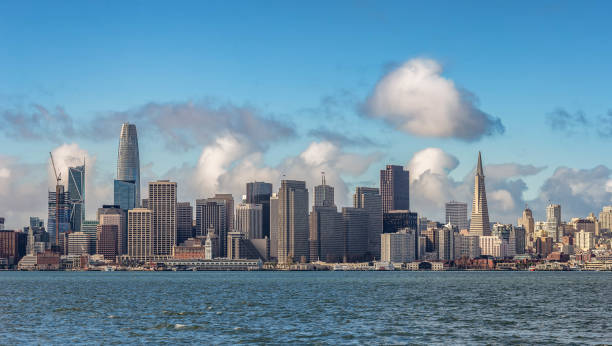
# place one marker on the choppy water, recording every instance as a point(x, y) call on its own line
point(306, 307)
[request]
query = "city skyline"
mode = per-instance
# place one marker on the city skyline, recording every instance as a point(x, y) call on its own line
point(210, 118)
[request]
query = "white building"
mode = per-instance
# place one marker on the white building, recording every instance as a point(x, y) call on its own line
point(584, 240)
point(78, 243)
point(398, 247)
point(493, 246)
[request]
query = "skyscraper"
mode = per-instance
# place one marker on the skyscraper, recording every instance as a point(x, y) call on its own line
point(184, 222)
point(124, 192)
point(259, 193)
point(368, 198)
point(128, 159)
point(553, 221)
point(324, 194)
point(249, 220)
point(113, 215)
point(479, 224)
point(59, 214)
point(162, 203)
point(395, 188)
point(140, 234)
point(605, 219)
point(211, 215)
point(327, 239)
point(274, 225)
point(106, 241)
point(229, 208)
point(355, 222)
point(76, 188)
point(293, 221)
point(456, 214)
point(527, 222)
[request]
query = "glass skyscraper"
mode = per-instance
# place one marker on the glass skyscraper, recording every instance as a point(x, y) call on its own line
point(128, 161)
point(125, 194)
point(76, 188)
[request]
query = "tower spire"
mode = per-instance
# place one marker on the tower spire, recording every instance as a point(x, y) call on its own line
point(479, 170)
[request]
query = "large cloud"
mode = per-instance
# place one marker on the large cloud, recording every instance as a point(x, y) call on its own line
point(182, 125)
point(417, 99)
point(23, 192)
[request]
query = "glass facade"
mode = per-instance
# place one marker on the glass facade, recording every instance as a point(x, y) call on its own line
point(125, 194)
point(76, 188)
point(128, 161)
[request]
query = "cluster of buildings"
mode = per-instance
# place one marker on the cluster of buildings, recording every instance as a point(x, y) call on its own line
point(282, 230)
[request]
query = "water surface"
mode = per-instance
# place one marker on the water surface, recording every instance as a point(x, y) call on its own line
point(306, 307)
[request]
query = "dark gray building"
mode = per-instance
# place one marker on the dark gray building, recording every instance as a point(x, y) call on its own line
point(395, 188)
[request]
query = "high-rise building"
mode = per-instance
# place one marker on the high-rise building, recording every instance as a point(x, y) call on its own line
point(368, 198)
point(327, 238)
point(356, 233)
point(324, 194)
point(399, 247)
point(59, 215)
point(527, 222)
point(106, 241)
point(519, 239)
point(584, 240)
point(140, 234)
point(456, 214)
point(249, 219)
point(76, 189)
point(229, 208)
point(605, 219)
point(114, 215)
point(553, 221)
point(274, 217)
point(293, 222)
point(90, 228)
point(479, 224)
point(467, 246)
point(184, 222)
point(259, 193)
point(492, 245)
point(395, 188)
point(394, 220)
point(162, 203)
point(78, 243)
point(128, 158)
point(446, 243)
point(124, 192)
point(12, 246)
point(211, 215)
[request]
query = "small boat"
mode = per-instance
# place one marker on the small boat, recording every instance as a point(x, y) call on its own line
point(532, 268)
point(109, 269)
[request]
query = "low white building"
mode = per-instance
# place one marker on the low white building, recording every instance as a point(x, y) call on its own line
point(398, 247)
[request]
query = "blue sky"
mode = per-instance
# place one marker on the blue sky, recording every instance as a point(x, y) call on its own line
point(522, 60)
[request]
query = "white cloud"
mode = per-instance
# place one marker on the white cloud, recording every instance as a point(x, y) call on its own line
point(417, 99)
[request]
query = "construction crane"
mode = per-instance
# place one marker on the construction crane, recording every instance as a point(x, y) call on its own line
point(58, 179)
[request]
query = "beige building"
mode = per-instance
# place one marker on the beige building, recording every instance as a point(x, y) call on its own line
point(249, 220)
point(78, 243)
point(398, 247)
point(605, 219)
point(584, 240)
point(140, 234)
point(162, 203)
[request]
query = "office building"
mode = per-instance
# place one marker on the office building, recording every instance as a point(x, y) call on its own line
point(140, 234)
point(553, 221)
point(527, 222)
point(543, 246)
point(162, 203)
point(356, 233)
point(184, 222)
point(106, 241)
point(90, 228)
point(249, 220)
point(446, 243)
point(12, 246)
point(479, 224)
point(274, 217)
point(78, 243)
point(518, 233)
point(324, 194)
point(399, 247)
point(327, 238)
point(211, 215)
point(59, 214)
point(124, 192)
point(368, 198)
point(128, 158)
point(238, 247)
point(605, 219)
point(114, 215)
point(293, 230)
point(259, 193)
point(76, 189)
point(229, 208)
point(456, 214)
point(394, 220)
point(584, 240)
point(467, 246)
point(494, 246)
point(395, 188)
point(1, 224)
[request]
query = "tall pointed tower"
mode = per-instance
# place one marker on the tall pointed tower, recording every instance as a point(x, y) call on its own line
point(128, 159)
point(479, 225)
